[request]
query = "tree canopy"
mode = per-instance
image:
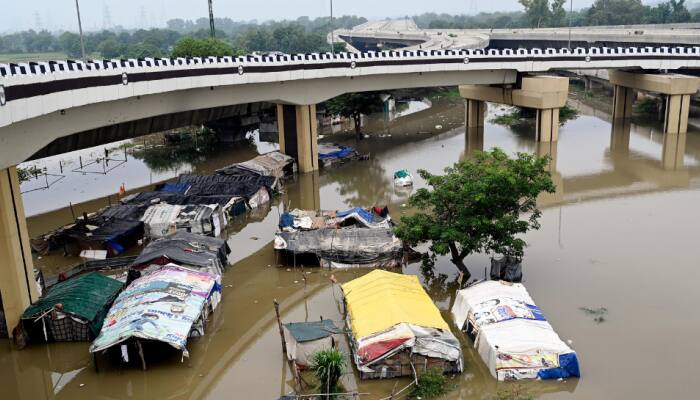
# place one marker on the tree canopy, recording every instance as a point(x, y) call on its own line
point(192, 47)
point(353, 105)
point(476, 206)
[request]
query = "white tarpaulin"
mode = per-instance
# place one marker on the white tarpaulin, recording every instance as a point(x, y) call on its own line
point(511, 333)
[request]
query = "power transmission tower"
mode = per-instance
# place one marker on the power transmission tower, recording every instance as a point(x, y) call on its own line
point(473, 10)
point(106, 17)
point(37, 21)
point(212, 29)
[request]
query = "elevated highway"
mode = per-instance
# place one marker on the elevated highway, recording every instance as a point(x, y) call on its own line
point(46, 101)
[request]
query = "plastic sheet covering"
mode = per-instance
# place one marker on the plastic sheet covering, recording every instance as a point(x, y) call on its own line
point(269, 164)
point(380, 300)
point(360, 217)
point(189, 249)
point(85, 297)
point(330, 151)
point(162, 305)
point(261, 197)
point(304, 339)
point(390, 312)
point(346, 245)
point(160, 220)
point(232, 185)
point(512, 336)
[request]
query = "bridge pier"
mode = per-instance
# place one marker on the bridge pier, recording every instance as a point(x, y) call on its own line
point(677, 90)
point(475, 113)
point(298, 134)
point(545, 94)
point(17, 284)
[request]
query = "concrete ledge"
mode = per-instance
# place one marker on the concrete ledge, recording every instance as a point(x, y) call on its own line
point(670, 84)
point(541, 92)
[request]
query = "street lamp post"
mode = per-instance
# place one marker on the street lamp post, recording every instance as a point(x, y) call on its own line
point(332, 31)
point(80, 29)
point(212, 29)
point(571, 16)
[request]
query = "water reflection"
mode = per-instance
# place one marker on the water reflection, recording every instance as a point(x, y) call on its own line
point(606, 252)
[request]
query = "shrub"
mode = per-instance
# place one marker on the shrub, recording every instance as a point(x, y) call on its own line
point(328, 366)
point(431, 384)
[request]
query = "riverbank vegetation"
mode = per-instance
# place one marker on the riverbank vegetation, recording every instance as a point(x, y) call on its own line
point(553, 13)
point(475, 207)
point(525, 117)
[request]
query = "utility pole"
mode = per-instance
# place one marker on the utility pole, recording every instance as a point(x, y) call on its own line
point(212, 29)
point(571, 15)
point(332, 31)
point(80, 28)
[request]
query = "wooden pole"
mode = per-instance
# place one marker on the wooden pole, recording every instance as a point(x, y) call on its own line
point(143, 359)
point(279, 324)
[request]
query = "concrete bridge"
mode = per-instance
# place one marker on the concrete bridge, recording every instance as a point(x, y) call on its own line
point(82, 104)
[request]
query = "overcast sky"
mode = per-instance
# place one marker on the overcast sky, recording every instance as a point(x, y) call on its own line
point(60, 14)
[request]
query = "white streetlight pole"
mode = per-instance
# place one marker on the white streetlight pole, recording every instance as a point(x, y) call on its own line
point(571, 16)
point(80, 29)
point(332, 31)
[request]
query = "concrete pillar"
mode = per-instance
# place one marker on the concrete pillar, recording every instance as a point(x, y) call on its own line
point(622, 102)
point(677, 111)
point(546, 94)
point(673, 151)
point(677, 88)
point(17, 284)
point(547, 125)
point(620, 137)
point(473, 141)
point(307, 195)
point(475, 114)
point(298, 134)
point(549, 149)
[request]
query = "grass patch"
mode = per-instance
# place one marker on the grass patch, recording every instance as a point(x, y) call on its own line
point(648, 107)
point(431, 384)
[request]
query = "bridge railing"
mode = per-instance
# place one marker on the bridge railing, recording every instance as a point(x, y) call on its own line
point(346, 60)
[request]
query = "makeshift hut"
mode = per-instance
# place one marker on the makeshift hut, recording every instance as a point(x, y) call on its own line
point(511, 334)
point(164, 219)
point(273, 164)
point(304, 339)
point(395, 329)
point(165, 305)
point(342, 248)
point(73, 310)
point(187, 249)
point(330, 154)
point(372, 218)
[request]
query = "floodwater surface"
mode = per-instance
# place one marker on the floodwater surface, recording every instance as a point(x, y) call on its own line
point(619, 233)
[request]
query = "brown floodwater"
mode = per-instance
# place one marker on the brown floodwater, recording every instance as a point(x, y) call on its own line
point(618, 233)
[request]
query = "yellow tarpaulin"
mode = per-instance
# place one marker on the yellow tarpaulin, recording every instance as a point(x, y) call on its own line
point(381, 299)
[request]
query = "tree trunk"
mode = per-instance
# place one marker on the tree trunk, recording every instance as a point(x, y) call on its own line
point(458, 260)
point(358, 125)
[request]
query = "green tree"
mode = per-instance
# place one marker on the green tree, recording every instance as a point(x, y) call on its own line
point(191, 47)
point(476, 206)
point(558, 15)
point(353, 105)
point(537, 12)
point(616, 12)
point(110, 48)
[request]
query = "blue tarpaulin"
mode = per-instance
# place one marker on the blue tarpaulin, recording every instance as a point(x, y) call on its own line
point(568, 367)
point(180, 188)
point(309, 331)
point(341, 153)
point(366, 215)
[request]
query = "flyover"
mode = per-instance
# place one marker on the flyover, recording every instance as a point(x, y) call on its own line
point(405, 34)
point(44, 102)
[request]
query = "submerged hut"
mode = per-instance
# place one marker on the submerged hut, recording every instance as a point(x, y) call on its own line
point(73, 310)
point(511, 334)
point(304, 339)
point(395, 329)
point(331, 154)
point(165, 305)
point(357, 237)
